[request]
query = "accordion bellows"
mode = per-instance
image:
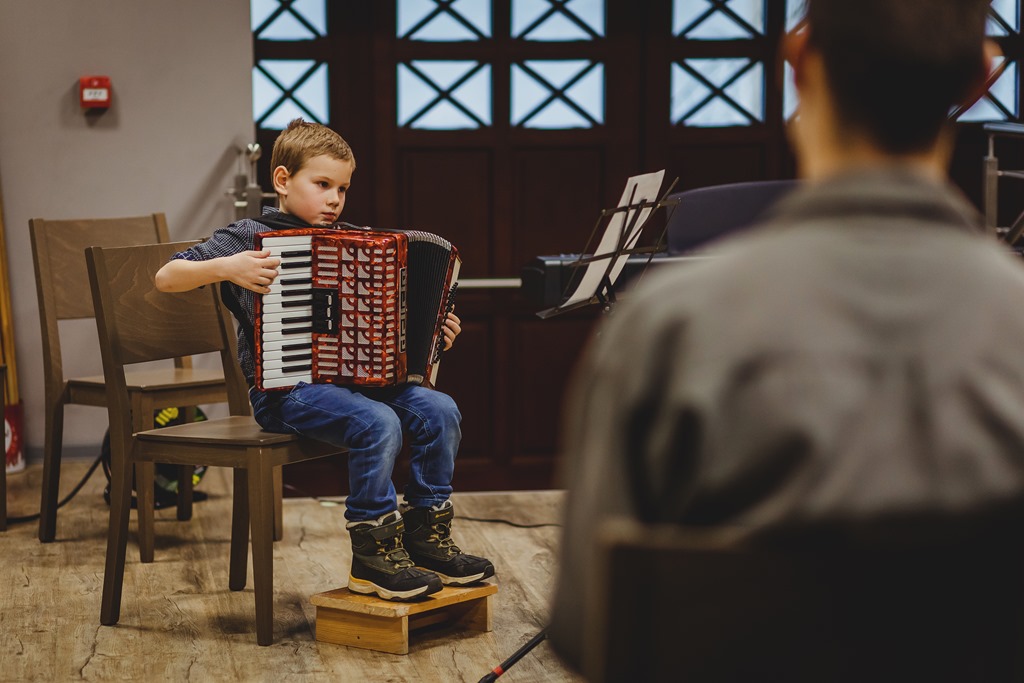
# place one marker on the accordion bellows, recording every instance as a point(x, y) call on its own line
point(354, 307)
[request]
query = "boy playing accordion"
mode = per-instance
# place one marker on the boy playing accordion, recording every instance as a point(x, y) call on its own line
point(396, 555)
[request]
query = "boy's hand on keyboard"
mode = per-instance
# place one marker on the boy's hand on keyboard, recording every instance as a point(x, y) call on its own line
point(254, 270)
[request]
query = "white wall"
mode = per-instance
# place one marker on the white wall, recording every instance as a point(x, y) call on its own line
point(182, 88)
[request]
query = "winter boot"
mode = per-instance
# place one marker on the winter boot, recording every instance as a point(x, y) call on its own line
point(381, 565)
point(428, 538)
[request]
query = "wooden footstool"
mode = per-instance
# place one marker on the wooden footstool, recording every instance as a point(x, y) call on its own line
point(366, 621)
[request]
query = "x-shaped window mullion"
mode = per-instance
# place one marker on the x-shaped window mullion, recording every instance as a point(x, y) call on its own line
point(285, 6)
point(723, 7)
point(444, 6)
point(443, 94)
point(288, 93)
point(559, 93)
point(993, 14)
point(556, 7)
point(994, 78)
point(719, 91)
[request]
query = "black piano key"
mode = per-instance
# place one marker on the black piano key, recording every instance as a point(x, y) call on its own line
point(297, 330)
point(296, 264)
point(296, 304)
point(297, 292)
point(297, 281)
point(289, 254)
point(294, 347)
point(297, 319)
point(297, 356)
point(296, 368)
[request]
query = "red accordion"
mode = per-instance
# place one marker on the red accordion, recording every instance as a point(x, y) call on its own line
point(354, 307)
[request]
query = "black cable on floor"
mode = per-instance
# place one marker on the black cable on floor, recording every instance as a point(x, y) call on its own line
point(462, 518)
point(62, 503)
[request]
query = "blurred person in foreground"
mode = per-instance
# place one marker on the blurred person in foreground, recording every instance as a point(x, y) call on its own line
point(859, 355)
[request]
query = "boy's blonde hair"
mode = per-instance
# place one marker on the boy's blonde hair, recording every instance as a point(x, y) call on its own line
point(303, 140)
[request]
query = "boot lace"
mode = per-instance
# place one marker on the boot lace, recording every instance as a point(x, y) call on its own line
point(394, 552)
point(442, 536)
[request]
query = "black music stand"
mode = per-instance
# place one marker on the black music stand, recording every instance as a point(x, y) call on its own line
point(595, 274)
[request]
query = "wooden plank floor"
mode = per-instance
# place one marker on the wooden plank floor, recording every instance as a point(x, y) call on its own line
point(180, 622)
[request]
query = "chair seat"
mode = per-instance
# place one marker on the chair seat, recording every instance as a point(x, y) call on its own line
point(238, 430)
point(157, 380)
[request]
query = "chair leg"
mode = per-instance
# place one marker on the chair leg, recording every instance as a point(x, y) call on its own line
point(144, 474)
point(54, 436)
point(117, 535)
point(185, 492)
point(261, 522)
point(278, 505)
point(239, 531)
point(185, 477)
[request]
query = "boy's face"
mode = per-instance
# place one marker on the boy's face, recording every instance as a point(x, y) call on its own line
point(316, 192)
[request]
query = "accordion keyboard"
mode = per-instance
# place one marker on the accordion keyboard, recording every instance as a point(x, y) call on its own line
point(335, 313)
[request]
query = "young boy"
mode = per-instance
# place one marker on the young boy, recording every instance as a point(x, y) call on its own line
point(312, 170)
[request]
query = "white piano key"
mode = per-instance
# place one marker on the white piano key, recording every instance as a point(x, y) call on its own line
point(278, 336)
point(287, 241)
point(293, 273)
point(273, 372)
point(290, 381)
point(305, 340)
point(279, 310)
point(277, 354)
point(279, 297)
point(280, 327)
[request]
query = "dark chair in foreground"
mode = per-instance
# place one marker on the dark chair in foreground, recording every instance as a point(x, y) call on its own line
point(137, 323)
point(58, 249)
point(683, 606)
point(707, 213)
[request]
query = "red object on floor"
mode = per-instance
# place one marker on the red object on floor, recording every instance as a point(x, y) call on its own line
point(13, 421)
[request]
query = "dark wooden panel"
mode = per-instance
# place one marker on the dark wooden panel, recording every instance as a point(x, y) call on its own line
point(705, 165)
point(448, 192)
point(546, 354)
point(466, 375)
point(559, 193)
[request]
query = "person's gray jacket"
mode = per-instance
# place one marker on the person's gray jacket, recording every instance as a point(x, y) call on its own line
point(860, 355)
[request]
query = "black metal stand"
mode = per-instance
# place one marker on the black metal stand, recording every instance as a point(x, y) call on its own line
point(605, 292)
point(605, 296)
point(497, 671)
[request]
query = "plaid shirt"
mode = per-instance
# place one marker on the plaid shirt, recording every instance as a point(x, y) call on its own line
point(237, 237)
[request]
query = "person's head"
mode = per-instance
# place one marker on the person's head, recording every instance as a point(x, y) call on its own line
point(312, 170)
point(887, 72)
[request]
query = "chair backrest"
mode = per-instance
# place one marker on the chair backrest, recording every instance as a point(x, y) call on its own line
point(138, 323)
point(58, 251)
point(707, 213)
point(680, 605)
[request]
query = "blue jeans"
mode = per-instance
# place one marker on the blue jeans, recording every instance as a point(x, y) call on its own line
point(370, 423)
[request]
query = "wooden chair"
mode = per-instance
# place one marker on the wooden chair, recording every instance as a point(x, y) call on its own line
point(58, 249)
point(684, 605)
point(137, 323)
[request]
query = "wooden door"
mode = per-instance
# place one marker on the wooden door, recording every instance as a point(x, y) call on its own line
point(506, 126)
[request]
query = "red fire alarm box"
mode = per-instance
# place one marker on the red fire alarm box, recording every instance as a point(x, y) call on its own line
point(94, 92)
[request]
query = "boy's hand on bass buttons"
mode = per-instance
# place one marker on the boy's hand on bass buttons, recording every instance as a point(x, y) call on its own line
point(451, 329)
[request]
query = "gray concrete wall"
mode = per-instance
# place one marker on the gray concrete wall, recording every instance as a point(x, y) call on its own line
point(182, 90)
